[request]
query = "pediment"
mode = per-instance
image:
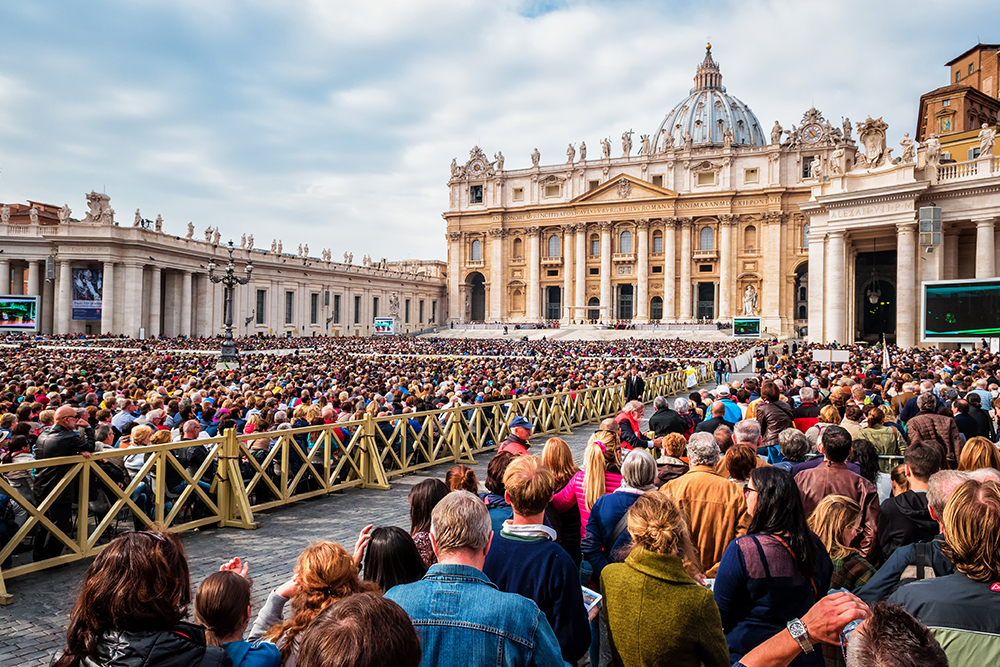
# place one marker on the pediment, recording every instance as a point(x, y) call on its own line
point(622, 188)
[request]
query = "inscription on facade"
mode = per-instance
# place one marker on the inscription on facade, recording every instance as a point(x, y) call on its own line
point(869, 210)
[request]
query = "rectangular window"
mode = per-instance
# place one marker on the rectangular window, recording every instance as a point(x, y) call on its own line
point(261, 304)
point(973, 153)
point(374, 307)
point(970, 69)
point(658, 180)
point(704, 268)
point(593, 185)
point(421, 311)
point(595, 272)
point(289, 307)
point(806, 166)
point(551, 190)
point(517, 194)
point(657, 244)
point(475, 194)
point(434, 311)
point(406, 309)
point(946, 103)
point(357, 310)
point(657, 269)
point(751, 176)
point(552, 273)
point(595, 248)
point(706, 178)
point(958, 76)
point(314, 308)
point(336, 309)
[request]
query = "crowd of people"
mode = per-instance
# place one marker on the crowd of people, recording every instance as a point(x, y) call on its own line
point(812, 514)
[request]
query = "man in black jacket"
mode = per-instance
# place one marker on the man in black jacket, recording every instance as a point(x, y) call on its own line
point(718, 412)
point(982, 418)
point(665, 420)
point(60, 440)
point(966, 424)
point(905, 519)
point(634, 386)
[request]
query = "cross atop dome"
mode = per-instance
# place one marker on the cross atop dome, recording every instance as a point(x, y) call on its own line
point(708, 76)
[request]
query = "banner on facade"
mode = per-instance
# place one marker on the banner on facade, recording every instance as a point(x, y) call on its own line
point(88, 294)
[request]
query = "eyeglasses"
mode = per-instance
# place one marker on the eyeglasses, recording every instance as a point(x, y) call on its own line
point(747, 490)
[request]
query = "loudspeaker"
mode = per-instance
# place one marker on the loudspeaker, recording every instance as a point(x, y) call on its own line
point(50, 268)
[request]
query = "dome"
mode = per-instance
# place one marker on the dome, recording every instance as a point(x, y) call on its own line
point(708, 112)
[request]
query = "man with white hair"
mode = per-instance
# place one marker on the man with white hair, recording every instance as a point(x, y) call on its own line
point(716, 508)
point(912, 409)
point(665, 420)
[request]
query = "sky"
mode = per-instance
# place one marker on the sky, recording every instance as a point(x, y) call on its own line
point(334, 123)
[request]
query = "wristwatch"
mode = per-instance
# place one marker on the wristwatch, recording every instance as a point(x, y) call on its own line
point(798, 631)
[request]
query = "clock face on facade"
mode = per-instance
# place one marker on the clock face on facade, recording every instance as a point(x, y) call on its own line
point(812, 133)
point(477, 167)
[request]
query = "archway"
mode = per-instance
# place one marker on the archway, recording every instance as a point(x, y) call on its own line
point(477, 290)
point(875, 320)
point(594, 308)
point(656, 308)
point(624, 306)
point(553, 303)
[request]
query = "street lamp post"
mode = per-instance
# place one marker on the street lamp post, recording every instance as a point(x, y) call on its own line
point(230, 356)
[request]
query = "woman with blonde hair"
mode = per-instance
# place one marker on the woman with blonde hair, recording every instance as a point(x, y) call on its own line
point(835, 521)
point(678, 622)
point(827, 415)
point(601, 474)
point(979, 453)
point(557, 457)
point(324, 573)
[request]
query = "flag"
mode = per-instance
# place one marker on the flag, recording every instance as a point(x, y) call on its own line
point(885, 357)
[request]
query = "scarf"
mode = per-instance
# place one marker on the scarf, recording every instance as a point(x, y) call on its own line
point(532, 531)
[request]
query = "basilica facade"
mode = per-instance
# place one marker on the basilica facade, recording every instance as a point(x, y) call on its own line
point(704, 221)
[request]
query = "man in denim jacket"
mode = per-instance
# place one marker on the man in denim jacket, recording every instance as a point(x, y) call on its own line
point(461, 617)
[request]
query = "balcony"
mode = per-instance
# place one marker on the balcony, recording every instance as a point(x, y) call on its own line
point(475, 264)
point(623, 257)
point(552, 261)
point(704, 255)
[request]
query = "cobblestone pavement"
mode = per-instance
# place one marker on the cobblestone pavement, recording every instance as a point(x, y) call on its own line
point(35, 625)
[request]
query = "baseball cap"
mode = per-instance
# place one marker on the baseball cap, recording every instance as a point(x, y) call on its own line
point(722, 390)
point(522, 422)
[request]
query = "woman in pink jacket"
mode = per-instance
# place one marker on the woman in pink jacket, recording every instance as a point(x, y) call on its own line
point(601, 474)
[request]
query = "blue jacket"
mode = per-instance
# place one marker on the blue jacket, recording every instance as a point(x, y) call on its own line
point(733, 412)
point(500, 510)
point(253, 654)
point(463, 619)
point(604, 516)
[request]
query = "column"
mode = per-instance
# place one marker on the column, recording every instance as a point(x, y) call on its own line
point(817, 249)
point(498, 274)
point(985, 248)
point(580, 300)
point(108, 299)
point(17, 281)
point(568, 250)
point(669, 270)
point(48, 306)
point(770, 301)
point(727, 222)
point(454, 293)
point(186, 296)
point(4, 276)
point(685, 286)
point(606, 271)
point(534, 312)
point(34, 274)
point(949, 247)
point(132, 303)
point(155, 302)
point(642, 266)
point(906, 293)
point(836, 288)
point(64, 307)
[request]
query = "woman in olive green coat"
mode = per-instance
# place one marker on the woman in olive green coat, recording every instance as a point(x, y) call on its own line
point(655, 612)
point(886, 440)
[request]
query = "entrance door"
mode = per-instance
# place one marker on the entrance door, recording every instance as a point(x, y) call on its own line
point(593, 308)
point(553, 303)
point(624, 302)
point(706, 301)
point(478, 298)
point(875, 320)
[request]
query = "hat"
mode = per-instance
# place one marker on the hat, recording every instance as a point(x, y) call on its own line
point(722, 390)
point(522, 422)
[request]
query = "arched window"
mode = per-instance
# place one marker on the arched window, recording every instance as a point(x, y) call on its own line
point(707, 239)
point(593, 308)
point(802, 313)
point(518, 248)
point(477, 250)
point(625, 244)
point(553, 246)
point(517, 299)
point(656, 308)
point(595, 246)
point(805, 235)
point(750, 237)
point(657, 241)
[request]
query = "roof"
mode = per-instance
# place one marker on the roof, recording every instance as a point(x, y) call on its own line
point(977, 47)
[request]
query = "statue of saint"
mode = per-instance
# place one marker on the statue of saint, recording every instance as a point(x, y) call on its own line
point(536, 157)
point(776, 133)
point(300, 250)
point(454, 168)
point(499, 158)
point(208, 234)
point(190, 233)
point(847, 129)
point(626, 144)
point(750, 301)
point(606, 148)
point(583, 151)
point(216, 236)
point(666, 141)
point(5, 214)
point(305, 250)
point(159, 223)
point(243, 241)
point(727, 137)
point(570, 154)
point(688, 140)
point(350, 258)
point(644, 147)
point(280, 247)
point(909, 151)
point(816, 168)
point(345, 258)
point(837, 161)
point(987, 137)
point(64, 214)
point(250, 242)
point(33, 215)
point(932, 157)
point(274, 245)
point(138, 219)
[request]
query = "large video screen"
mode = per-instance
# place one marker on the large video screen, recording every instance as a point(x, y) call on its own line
point(385, 326)
point(746, 327)
point(960, 310)
point(18, 313)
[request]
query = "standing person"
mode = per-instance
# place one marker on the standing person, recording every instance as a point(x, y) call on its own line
point(478, 623)
point(496, 495)
point(776, 572)
point(525, 559)
point(517, 441)
point(720, 370)
point(677, 623)
point(930, 427)
point(423, 497)
point(62, 439)
point(670, 465)
point(715, 507)
point(601, 474)
point(979, 453)
point(133, 602)
point(557, 457)
point(886, 440)
point(774, 416)
point(835, 522)
point(905, 518)
point(634, 386)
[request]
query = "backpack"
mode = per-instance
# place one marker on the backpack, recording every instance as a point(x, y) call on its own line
point(921, 565)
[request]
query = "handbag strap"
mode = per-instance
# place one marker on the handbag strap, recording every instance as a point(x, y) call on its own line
point(792, 553)
point(616, 533)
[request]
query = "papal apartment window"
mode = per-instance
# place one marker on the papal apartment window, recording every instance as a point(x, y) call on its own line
point(357, 310)
point(751, 176)
point(958, 76)
point(971, 70)
point(314, 308)
point(946, 103)
point(475, 194)
point(289, 307)
point(551, 190)
point(706, 178)
point(336, 309)
point(261, 305)
point(517, 194)
point(973, 153)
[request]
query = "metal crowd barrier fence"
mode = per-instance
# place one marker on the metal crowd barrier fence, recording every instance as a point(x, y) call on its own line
point(244, 473)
